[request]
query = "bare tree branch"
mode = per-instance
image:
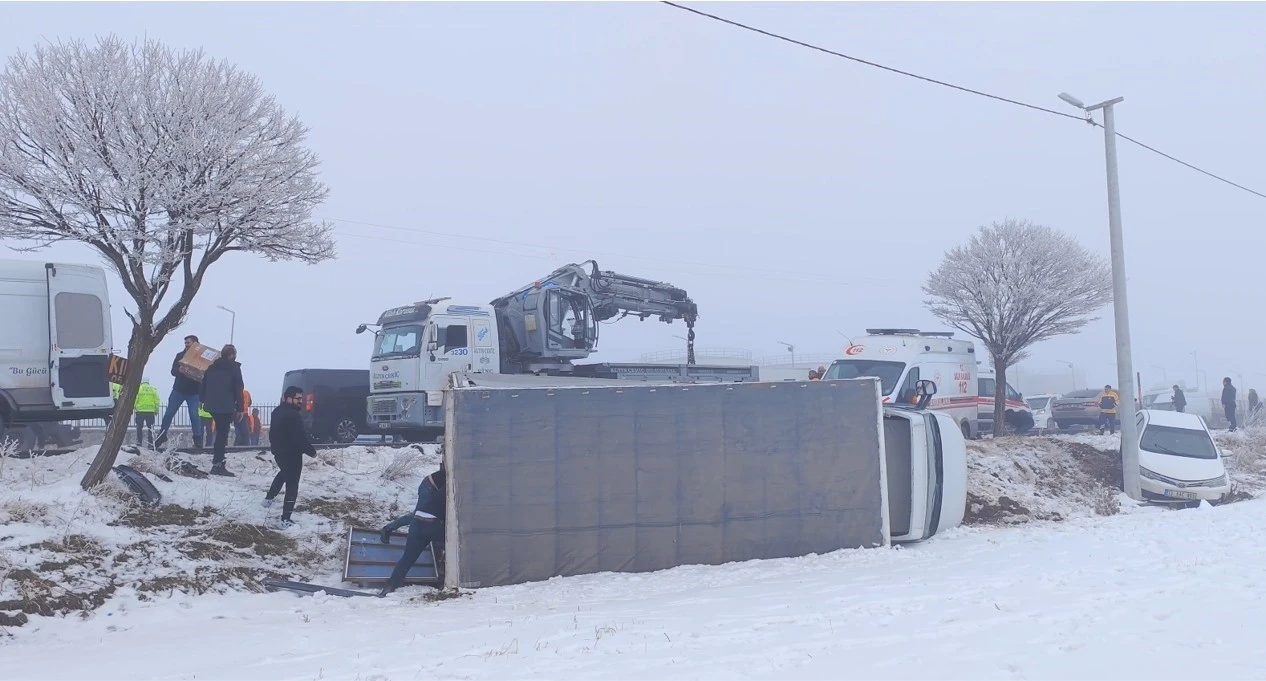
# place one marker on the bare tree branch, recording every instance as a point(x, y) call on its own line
point(162, 161)
point(1015, 284)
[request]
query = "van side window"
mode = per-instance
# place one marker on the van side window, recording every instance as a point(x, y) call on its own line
point(80, 321)
point(906, 395)
point(452, 336)
point(987, 386)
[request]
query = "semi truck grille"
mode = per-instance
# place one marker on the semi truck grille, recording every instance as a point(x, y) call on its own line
point(384, 406)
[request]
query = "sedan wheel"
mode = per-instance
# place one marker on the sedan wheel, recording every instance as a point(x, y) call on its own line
point(345, 431)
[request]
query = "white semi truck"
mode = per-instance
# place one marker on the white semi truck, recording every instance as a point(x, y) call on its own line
point(55, 346)
point(539, 329)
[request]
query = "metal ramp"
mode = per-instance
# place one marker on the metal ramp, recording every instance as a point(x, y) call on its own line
point(370, 562)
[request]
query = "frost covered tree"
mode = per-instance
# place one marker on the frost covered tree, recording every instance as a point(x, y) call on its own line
point(162, 162)
point(1016, 284)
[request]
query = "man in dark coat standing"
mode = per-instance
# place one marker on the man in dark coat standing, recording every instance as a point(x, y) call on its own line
point(1179, 399)
point(426, 525)
point(1228, 401)
point(184, 391)
point(289, 441)
point(221, 396)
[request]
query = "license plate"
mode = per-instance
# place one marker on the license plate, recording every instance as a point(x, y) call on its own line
point(1176, 494)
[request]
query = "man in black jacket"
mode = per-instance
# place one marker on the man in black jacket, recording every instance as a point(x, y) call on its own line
point(1228, 401)
point(289, 442)
point(184, 391)
point(426, 525)
point(221, 396)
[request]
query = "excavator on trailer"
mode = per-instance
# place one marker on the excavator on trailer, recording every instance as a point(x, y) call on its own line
point(543, 328)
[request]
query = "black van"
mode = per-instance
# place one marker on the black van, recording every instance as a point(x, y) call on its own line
point(334, 402)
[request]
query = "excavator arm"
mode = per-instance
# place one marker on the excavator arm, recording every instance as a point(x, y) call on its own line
point(554, 321)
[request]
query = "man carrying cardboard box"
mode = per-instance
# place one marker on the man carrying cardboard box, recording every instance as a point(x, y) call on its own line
point(184, 391)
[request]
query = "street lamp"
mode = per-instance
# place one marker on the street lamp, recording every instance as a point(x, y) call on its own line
point(1072, 372)
point(792, 349)
point(232, 321)
point(1125, 368)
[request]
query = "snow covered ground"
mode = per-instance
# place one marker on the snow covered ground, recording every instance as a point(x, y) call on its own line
point(1146, 594)
point(1114, 590)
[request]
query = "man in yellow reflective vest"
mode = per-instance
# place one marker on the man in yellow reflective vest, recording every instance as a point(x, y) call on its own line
point(208, 425)
point(146, 408)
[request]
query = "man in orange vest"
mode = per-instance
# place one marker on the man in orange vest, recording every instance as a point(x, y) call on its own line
point(241, 426)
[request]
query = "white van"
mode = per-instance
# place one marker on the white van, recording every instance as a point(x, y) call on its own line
point(900, 358)
point(1178, 459)
point(54, 348)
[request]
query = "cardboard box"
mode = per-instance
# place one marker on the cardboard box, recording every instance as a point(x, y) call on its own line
point(196, 360)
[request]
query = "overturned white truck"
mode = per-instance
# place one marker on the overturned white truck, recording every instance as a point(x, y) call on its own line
point(550, 478)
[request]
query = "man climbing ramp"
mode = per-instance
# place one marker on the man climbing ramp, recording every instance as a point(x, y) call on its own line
point(426, 525)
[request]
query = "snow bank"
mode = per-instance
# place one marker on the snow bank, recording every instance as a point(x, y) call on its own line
point(1014, 480)
point(64, 551)
point(1018, 479)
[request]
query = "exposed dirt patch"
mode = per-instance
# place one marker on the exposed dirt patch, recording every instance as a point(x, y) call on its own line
point(262, 540)
point(40, 596)
point(351, 511)
point(1102, 467)
point(981, 512)
point(444, 595)
point(167, 514)
point(206, 579)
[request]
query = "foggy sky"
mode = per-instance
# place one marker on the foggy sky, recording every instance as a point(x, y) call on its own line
point(796, 196)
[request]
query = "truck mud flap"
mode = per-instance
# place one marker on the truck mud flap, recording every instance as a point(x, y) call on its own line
point(304, 588)
point(139, 484)
point(370, 562)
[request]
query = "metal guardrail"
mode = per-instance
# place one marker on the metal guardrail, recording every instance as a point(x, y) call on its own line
point(701, 354)
point(181, 419)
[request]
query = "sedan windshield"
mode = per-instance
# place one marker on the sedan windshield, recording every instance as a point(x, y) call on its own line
point(398, 341)
point(1038, 403)
point(888, 373)
point(1192, 444)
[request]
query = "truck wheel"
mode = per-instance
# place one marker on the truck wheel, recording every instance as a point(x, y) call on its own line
point(21, 437)
point(345, 431)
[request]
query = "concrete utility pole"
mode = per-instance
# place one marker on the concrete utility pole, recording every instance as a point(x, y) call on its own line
point(1120, 305)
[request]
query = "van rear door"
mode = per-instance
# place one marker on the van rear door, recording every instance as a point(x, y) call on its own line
point(79, 336)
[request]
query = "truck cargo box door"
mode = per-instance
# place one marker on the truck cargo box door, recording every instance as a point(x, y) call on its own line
point(79, 337)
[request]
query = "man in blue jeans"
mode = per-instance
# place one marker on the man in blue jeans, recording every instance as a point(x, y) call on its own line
point(184, 391)
point(426, 525)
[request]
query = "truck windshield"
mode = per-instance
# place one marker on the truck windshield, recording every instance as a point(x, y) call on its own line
point(888, 373)
point(397, 341)
point(1189, 443)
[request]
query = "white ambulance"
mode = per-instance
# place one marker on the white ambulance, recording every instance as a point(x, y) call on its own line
point(900, 358)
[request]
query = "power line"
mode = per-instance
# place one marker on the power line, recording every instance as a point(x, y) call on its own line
point(803, 276)
point(960, 88)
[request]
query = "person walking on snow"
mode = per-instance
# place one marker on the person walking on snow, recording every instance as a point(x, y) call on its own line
point(184, 391)
point(426, 525)
point(1228, 401)
point(289, 441)
point(1108, 401)
point(146, 407)
point(222, 395)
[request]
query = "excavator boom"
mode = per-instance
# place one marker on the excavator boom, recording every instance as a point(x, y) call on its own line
point(553, 321)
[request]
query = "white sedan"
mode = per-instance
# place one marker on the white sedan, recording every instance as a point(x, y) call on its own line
point(1178, 460)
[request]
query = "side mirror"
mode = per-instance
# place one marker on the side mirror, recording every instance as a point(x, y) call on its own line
point(923, 391)
point(361, 329)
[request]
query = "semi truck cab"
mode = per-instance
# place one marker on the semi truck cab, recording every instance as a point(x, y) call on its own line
point(415, 349)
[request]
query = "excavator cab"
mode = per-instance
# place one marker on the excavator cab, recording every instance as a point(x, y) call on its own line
point(569, 321)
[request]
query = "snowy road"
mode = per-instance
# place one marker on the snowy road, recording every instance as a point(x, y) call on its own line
point(1151, 594)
